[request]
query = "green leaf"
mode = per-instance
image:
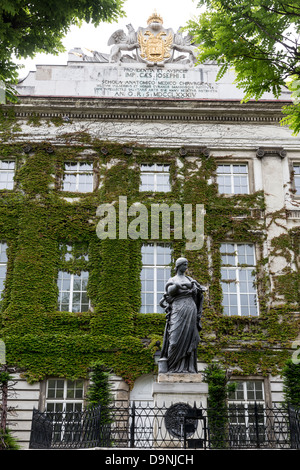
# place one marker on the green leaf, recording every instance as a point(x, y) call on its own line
point(28, 28)
point(258, 39)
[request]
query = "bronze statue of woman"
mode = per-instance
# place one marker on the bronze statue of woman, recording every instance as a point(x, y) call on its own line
point(182, 301)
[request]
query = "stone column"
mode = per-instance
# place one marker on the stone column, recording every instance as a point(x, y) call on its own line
point(272, 161)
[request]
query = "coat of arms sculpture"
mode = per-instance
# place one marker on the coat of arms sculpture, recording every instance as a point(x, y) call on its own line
point(155, 42)
point(153, 45)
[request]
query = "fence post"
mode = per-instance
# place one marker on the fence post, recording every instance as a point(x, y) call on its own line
point(256, 424)
point(132, 425)
point(294, 426)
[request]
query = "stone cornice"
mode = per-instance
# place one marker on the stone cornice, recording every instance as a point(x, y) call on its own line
point(70, 108)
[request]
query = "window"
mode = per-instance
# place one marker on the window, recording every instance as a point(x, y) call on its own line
point(233, 178)
point(248, 391)
point(73, 292)
point(238, 279)
point(156, 271)
point(73, 278)
point(3, 263)
point(155, 177)
point(7, 171)
point(64, 398)
point(297, 178)
point(64, 395)
point(78, 177)
point(246, 413)
point(74, 252)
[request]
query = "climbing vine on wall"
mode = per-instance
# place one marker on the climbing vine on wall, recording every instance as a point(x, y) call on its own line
point(38, 221)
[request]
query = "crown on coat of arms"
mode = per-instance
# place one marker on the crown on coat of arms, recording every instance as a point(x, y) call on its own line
point(155, 17)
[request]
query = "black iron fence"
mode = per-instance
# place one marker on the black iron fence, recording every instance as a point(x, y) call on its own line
point(148, 426)
point(66, 429)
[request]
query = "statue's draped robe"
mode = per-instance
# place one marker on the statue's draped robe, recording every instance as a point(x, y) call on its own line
point(181, 336)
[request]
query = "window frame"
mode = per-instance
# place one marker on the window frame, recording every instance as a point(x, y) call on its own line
point(61, 431)
point(77, 174)
point(155, 172)
point(8, 171)
point(294, 176)
point(244, 383)
point(235, 161)
point(237, 268)
point(71, 292)
point(65, 389)
point(155, 267)
point(73, 252)
point(3, 263)
point(44, 385)
point(242, 427)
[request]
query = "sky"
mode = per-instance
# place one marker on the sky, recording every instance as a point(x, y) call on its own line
point(175, 13)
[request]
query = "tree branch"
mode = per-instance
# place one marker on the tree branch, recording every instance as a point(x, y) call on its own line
point(285, 12)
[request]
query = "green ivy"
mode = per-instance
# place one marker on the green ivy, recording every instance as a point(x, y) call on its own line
point(38, 222)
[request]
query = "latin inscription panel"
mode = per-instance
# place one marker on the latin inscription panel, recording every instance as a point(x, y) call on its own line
point(154, 83)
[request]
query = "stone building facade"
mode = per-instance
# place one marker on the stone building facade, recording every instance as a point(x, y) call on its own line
point(153, 129)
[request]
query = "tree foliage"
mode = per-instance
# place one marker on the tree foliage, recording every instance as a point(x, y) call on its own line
point(292, 111)
point(258, 38)
point(218, 388)
point(100, 394)
point(291, 383)
point(7, 441)
point(28, 28)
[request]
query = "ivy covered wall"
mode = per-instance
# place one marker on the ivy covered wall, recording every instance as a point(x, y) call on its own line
point(37, 221)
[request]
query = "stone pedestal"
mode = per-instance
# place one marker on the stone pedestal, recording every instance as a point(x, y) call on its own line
point(178, 395)
point(184, 388)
